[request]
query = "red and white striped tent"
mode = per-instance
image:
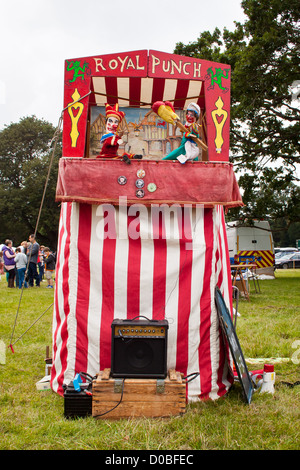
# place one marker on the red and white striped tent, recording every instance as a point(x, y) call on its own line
point(160, 257)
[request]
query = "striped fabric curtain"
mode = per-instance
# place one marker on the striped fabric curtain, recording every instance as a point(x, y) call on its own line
point(161, 263)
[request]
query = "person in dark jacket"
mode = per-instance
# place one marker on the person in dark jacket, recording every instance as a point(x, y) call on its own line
point(49, 267)
point(32, 255)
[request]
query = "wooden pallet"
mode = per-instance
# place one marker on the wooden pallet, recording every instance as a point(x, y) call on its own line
point(138, 397)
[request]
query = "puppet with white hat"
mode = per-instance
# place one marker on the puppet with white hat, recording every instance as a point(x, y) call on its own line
point(188, 149)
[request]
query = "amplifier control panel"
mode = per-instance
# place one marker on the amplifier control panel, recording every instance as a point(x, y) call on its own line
point(139, 328)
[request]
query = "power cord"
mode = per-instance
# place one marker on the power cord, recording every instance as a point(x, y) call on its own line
point(109, 411)
point(191, 376)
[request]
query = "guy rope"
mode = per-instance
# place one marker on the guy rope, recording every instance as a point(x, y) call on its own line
point(55, 140)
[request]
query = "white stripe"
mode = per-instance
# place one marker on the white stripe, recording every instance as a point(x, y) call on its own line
point(170, 90)
point(146, 91)
point(123, 90)
point(99, 87)
point(172, 295)
point(121, 267)
point(147, 263)
point(95, 294)
point(73, 287)
point(198, 274)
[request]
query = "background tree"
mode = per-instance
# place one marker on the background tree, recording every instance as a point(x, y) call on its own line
point(265, 120)
point(25, 151)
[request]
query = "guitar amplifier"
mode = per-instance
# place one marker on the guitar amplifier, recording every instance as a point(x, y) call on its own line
point(139, 348)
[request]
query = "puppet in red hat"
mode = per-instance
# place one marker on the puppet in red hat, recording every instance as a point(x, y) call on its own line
point(111, 140)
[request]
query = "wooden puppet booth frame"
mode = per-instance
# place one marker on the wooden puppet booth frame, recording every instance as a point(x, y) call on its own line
point(158, 253)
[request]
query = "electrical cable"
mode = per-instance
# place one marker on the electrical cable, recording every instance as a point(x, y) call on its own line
point(120, 401)
point(191, 376)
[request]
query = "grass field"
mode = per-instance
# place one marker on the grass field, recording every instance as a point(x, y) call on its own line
point(268, 327)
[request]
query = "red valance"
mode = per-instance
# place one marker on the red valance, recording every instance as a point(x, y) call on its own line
point(97, 181)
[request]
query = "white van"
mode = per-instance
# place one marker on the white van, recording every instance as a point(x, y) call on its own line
point(251, 244)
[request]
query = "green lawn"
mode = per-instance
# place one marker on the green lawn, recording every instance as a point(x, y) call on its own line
point(268, 326)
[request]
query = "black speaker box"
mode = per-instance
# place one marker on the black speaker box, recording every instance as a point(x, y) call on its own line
point(139, 348)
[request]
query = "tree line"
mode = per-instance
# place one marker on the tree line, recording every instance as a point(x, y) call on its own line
point(25, 155)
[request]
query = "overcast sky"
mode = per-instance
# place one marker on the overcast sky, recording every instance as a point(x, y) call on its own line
point(38, 35)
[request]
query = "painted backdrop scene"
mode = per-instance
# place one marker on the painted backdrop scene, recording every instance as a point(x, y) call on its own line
point(144, 133)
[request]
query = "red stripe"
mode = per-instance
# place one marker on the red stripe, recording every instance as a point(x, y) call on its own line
point(181, 93)
point(225, 255)
point(134, 267)
point(159, 266)
point(221, 258)
point(184, 296)
point(66, 292)
point(135, 91)
point(108, 289)
point(111, 85)
point(57, 313)
point(158, 89)
point(205, 309)
point(83, 287)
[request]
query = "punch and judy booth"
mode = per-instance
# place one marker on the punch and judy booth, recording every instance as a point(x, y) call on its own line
point(142, 236)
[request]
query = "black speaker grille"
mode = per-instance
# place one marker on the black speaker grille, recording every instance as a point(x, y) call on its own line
point(139, 348)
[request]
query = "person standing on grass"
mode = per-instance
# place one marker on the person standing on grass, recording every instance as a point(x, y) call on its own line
point(49, 267)
point(41, 263)
point(32, 254)
point(21, 263)
point(9, 262)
